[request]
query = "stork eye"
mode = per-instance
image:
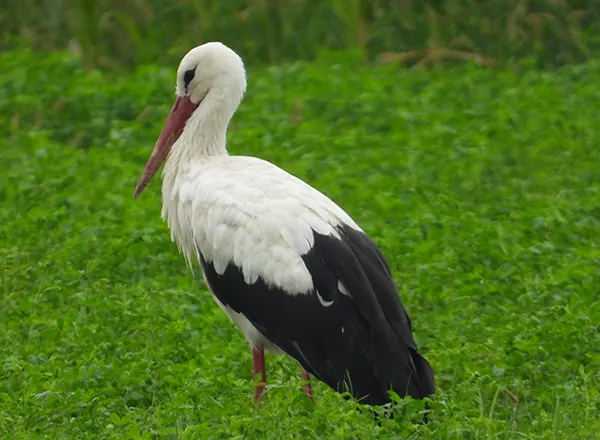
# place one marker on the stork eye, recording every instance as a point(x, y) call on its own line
point(188, 76)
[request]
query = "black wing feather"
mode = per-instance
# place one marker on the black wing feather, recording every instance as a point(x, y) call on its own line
point(361, 343)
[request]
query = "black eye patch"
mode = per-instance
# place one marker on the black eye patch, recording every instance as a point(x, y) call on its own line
point(188, 76)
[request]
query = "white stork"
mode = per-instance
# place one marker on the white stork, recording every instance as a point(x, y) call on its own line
point(290, 268)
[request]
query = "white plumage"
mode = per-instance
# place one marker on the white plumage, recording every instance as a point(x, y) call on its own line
point(264, 237)
point(247, 211)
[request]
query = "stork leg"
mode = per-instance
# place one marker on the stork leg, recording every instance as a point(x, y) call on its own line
point(307, 387)
point(258, 361)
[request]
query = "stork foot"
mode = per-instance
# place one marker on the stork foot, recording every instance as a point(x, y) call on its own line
point(258, 361)
point(307, 387)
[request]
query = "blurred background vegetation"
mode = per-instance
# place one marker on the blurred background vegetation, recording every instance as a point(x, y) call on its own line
point(117, 35)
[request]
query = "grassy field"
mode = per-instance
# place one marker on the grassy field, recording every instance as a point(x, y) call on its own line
point(117, 35)
point(481, 187)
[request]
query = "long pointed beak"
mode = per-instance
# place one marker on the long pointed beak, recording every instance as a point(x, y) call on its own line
point(180, 112)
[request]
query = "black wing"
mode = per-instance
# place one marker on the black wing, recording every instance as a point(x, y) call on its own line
point(359, 340)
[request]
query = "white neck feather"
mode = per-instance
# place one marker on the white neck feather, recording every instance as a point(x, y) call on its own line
point(203, 137)
point(205, 133)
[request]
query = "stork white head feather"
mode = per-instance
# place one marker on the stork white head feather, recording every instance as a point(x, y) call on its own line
point(211, 81)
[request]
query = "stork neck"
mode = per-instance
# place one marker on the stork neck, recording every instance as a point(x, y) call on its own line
point(204, 135)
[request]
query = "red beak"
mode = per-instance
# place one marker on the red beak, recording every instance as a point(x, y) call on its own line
point(180, 113)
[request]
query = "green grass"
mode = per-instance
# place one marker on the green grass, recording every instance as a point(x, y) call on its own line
point(117, 35)
point(481, 187)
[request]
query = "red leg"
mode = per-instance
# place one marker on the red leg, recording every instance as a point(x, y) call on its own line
point(258, 361)
point(307, 387)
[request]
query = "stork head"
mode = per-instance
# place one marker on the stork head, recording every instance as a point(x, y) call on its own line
point(210, 78)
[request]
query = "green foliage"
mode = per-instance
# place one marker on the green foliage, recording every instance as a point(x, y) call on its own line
point(116, 35)
point(481, 187)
